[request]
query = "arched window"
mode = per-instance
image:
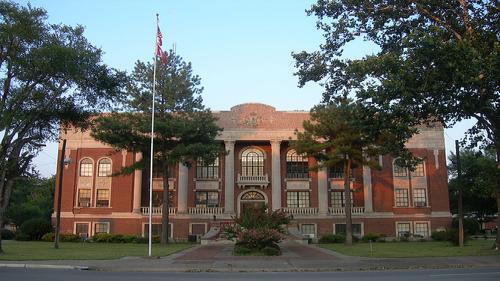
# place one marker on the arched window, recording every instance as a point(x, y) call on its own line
point(399, 171)
point(104, 168)
point(252, 162)
point(296, 165)
point(86, 167)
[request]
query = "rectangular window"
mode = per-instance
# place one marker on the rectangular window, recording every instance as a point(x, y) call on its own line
point(206, 170)
point(207, 199)
point(198, 228)
point(82, 230)
point(102, 198)
point(403, 229)
point(101, 227)
point(340, 229)
point(401, 197)
point(422, 229)
point(297, 170)
point(419, 170)
point(338, 199)
point(419, 198)
point(104, 168)
point(84, 198)
point(297, 199)
point(308, 229)
point(400, 171)
point(156, 229)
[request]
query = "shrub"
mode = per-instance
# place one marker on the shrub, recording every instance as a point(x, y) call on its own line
point(102, 237)
point(439, 236)
point(241, 250)
point(271, 251)
point(48, 237)
point(141, 240)
point(22, 236)
point(69, 237)
point(453, 236)
point(471, 226)
point(371, 237)
point(332, 238)
point(35, 228)
point(7, 234)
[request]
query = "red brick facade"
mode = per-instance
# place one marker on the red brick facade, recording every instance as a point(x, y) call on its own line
point(121, 205)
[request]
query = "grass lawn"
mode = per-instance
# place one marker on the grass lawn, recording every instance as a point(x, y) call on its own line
point(415, 249)
point(30, 250)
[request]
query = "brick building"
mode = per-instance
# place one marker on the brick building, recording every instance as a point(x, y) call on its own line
point(259, 168)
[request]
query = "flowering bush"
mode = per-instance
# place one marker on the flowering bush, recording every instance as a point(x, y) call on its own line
point(257, 231)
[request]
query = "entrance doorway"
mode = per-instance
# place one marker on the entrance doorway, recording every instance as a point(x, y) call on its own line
point(252, 201)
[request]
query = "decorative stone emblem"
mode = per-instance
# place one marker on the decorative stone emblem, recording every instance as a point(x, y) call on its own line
point(252, 120)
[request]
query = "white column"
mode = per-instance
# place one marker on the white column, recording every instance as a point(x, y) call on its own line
point(136, 208)
point(276, 176)
point(322, 191)
point(367, 189)
point(183, 189)
point(229, 178)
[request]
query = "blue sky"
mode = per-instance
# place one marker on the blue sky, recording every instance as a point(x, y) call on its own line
point(240, 49)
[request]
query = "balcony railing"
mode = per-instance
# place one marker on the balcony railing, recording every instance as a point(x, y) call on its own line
point(300, 211)
point(205, 211)
point(261, 181)
point(341, 211)
point(156, 211)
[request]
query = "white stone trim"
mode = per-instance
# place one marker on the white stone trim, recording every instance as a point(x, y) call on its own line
point(229, 177)
point(276, 174)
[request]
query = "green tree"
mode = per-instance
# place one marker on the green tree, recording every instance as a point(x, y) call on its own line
point(184, 129)
point(50, 76)
point(346, 134)
point(480, 177)
point(32, 197)
point(436, 60)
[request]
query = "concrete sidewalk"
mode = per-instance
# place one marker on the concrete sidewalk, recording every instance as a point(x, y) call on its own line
point(295, 257)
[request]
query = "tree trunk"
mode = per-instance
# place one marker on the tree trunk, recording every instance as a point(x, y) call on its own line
point(347, 197)
point(1, 228)
point(497, 241)
point(165, 229)
point(5, 191)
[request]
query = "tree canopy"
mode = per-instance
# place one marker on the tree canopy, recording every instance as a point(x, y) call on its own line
point(184, 130)
point(434, 60)
point(345, 134)
point(50, 76)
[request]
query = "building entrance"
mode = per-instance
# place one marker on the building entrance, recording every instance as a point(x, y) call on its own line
point(252, 201)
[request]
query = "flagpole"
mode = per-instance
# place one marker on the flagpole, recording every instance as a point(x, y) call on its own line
point(152, 153)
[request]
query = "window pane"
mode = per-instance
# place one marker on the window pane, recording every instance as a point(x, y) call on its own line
point(252, 163)
point(104, 168)
point(86, 168)
point(207, 199)
point(82, 229)
point(207, 170)
point(419, 171)
point(101, 228)
point(340, 228)
point(403, 229)
point(308, 229)
point(156, 229)
point(422, 229)
point(399, 171)
point(419, 198)
point(297, 166)
point(84, 198)
point(102, 198)
point(401, 197)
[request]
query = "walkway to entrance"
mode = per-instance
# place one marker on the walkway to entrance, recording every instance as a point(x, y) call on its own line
point(290, 250)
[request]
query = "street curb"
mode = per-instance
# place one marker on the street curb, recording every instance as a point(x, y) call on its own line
point(42, 266)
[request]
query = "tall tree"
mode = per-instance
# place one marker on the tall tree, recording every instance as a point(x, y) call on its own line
point(438, 60)
point(480, 177)
point(184, 129)
point(50, 76)
point(347, 135)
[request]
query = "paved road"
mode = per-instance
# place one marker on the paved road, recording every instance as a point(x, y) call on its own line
point(483, 274)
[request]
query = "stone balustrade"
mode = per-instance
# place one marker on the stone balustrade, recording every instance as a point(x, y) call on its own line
point(341, 211)
point(261, 181)
point(205, 211)
point(300, 211)
point(156, 211)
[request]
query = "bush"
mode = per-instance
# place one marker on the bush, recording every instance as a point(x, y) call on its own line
point(69, 237)
point(102, 237)
point(439, 236)
point(48, 237)
point(332, 238)
point(371, 237)
point(471, 226)
point(22, 236)
point(241, 250)
point(271, 251)
point(7, 234)
point(35, 228)
point(141, 240)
